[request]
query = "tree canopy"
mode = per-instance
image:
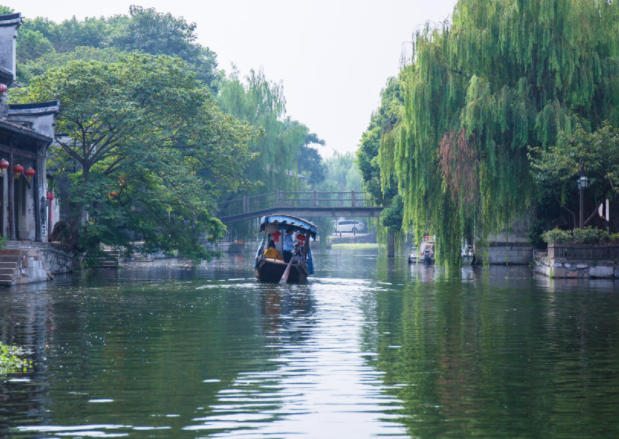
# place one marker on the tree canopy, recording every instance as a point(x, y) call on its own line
point(142, 30)
point(505, 74)
point(152, 150)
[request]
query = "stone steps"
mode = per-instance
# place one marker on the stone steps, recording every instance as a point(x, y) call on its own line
point(10, 260)
point(110, 259)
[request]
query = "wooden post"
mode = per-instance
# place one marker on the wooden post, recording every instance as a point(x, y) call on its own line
point(37, 203)
point(315, 198)
point(390, 246)
point(11, 177)
point(352, 193)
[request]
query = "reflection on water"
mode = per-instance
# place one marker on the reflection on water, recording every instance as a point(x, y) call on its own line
point(366, 349)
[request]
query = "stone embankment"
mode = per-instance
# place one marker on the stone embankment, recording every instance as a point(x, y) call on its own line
point(578, 262)
point(26, 262)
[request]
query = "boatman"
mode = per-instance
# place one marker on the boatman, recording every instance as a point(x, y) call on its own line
point(288, 246)
point(271, 251)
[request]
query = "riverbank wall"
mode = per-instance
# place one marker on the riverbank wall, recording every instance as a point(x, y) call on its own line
point(578, 262)
point(23, 262)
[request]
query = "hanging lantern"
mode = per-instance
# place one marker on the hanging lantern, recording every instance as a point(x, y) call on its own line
point(276, 236)
point(29, 173)
point(3, 88)
point(50, 196)
point(18, 169)
point(3, 165)
point(301, 238)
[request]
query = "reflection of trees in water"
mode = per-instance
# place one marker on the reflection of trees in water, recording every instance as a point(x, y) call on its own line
point(500, 356)
point(25, 319)
point(122, 341)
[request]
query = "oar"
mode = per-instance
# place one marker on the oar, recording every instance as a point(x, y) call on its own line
point(287, 272)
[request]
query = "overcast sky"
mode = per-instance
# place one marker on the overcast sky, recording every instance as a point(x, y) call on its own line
point(333, 56)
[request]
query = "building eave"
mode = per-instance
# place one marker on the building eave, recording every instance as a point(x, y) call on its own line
point(27, 132)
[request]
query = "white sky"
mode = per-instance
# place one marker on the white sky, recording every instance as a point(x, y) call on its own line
point(333, 57)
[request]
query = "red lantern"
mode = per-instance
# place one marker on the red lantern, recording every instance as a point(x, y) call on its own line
point(276, 236)
point(29, 173)
point(301, 238)
point(3, 88)
point(18, 169)
point(50, 196)
point(3, 165)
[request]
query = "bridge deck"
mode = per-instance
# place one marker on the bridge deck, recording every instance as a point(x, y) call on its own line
point(301, 204)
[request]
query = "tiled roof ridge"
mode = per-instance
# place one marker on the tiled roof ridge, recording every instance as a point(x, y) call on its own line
point(20, 129)
point(35, 105)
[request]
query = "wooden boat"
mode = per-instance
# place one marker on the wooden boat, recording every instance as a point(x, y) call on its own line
point(273, 227)
point(424, 254)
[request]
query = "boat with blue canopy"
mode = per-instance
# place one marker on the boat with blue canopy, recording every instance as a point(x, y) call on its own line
point(270, 265)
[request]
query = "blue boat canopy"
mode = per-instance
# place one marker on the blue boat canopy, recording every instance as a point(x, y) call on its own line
point(285, 221)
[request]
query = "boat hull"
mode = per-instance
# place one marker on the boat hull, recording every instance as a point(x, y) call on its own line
point(272, 270)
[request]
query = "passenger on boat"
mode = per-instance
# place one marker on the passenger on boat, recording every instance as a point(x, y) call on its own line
point(271, 251)
point(288, 245)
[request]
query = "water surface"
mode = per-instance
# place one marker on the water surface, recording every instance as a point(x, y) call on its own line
point(365, 349)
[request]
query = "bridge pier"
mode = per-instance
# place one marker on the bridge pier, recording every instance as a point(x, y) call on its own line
point(390, 246)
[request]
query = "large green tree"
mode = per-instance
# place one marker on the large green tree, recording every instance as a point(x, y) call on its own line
point(261, 103)
point(380, 129)
point(557, 168)
point(503, 75)
point(150, 148)
point(142, 30)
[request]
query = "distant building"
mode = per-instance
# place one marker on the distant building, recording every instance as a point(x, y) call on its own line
point(26, 133)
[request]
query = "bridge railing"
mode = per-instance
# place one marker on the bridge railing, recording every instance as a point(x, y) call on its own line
point(287, 199)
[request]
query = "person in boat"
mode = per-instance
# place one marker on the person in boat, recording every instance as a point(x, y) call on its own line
point(271, 251)
point(288, 246)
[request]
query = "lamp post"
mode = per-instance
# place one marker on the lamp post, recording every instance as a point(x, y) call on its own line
point(582, 183)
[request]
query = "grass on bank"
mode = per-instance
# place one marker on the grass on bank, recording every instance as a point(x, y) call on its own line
point(11, 360)
point(355, 246)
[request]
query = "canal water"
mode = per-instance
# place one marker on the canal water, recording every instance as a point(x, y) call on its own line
point(365, 349)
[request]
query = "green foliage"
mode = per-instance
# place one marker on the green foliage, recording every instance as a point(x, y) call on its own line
point(380, 131)
point(535, 233)
point(342, 173)
point(157, 33)
point(391, 217)
point(143, 30)
point(556, 168)
point(153, 151)
point(12, 361)
point(31, 45)
point(26, 71)
point(588, 235)
point(6, 10)
point(506, 74)
point(261, 103)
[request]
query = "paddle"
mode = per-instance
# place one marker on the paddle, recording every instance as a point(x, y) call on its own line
point(287, 272)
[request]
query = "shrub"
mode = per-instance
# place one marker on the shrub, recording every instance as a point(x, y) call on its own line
point(557, 236)
point(588, 235)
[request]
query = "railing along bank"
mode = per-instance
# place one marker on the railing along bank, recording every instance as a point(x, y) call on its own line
point(284, 199)
point(584, 252)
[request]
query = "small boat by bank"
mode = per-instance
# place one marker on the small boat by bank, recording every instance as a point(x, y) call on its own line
point(468, 255)
point(425, 252)
point(273, 228)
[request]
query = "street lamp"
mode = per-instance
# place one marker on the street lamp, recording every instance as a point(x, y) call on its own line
point(582, 183)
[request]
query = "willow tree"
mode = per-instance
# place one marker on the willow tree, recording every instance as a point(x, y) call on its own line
point(505, 74)
point(261, 103)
